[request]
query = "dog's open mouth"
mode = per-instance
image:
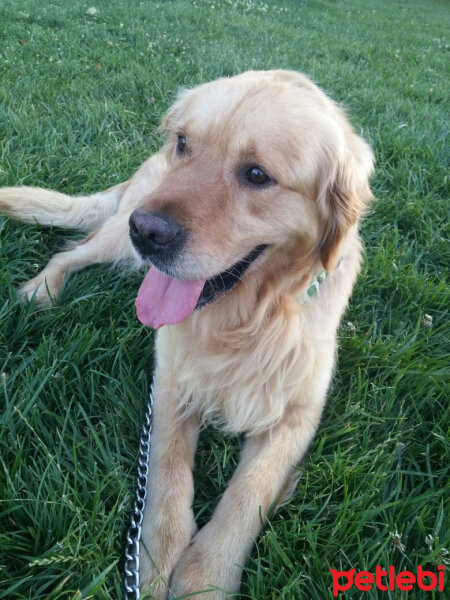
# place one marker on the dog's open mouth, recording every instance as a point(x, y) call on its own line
point(228, 279)
point(165, 300)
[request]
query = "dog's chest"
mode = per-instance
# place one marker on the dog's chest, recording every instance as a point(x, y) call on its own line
point(240, 389)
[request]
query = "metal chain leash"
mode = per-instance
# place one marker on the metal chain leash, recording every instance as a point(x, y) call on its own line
point(135, 529)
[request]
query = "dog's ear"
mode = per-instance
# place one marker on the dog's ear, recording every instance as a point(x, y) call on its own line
point(343, 196)
point(174, 114)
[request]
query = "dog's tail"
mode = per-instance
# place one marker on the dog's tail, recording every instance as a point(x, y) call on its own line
point(36, 205)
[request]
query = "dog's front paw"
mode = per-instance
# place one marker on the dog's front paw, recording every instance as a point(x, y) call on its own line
point(34, 289)
point(203, 574)
point(154, 583)
point(160, 551)
point(42, 288)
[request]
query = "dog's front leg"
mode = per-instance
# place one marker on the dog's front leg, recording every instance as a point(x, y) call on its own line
point(214, 560)
point(168, 524)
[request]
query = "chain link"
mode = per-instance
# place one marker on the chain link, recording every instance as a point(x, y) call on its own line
point(134, 531)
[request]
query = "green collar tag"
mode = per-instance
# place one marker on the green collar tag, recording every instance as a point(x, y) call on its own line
point(313, 287)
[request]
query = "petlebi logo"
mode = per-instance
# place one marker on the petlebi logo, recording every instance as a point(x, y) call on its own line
point(388, 580)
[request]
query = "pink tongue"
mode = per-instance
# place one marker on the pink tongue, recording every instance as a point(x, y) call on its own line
point(164, 300)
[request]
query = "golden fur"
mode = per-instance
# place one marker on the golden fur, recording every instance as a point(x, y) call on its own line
point(259, 359)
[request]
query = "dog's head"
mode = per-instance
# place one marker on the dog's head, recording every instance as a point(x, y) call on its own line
point(259, 163)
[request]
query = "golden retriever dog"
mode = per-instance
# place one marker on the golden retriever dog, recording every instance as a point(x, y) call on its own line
point(250, 207)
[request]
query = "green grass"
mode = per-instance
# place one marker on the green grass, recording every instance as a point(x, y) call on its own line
point(80, 97)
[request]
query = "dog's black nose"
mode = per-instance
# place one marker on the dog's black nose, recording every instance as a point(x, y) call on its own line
point(153, 232)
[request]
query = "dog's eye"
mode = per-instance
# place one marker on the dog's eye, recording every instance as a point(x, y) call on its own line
point(181, 144)
point(257, 176)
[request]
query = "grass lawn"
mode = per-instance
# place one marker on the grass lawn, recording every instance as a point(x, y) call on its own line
point(80, 97)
